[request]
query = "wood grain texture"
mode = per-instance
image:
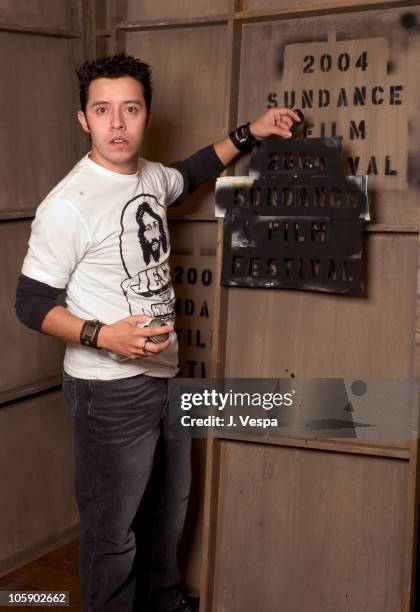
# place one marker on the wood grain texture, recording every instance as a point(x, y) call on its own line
point(41, 146)
point(253, 9)
point(172, 9)
point(232, 65)
point(191, 549)
point(44, 13)
point(89, 29)
point(29, 390)
point(308, 335)
point(411, 557)
point(27, 356)
point(102, 14)
point(417, 338)
point(188, 105)
point(181, 22)
point(210, 518)
point(308, 530)
point(36, 472)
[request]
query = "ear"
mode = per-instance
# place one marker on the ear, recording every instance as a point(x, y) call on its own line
point(83, 122)
point(149, 119)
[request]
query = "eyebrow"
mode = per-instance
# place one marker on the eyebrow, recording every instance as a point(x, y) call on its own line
point(99, 102)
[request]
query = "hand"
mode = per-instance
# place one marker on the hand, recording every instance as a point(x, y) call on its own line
point(274, 122)
point(125, 338)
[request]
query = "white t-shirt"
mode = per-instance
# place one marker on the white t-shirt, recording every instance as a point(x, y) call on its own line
point(104, 236)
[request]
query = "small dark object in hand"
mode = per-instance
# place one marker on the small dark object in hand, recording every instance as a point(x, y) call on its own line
point(160, 337)
point(296, 125)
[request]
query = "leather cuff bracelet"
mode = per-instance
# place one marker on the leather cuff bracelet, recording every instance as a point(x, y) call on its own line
point(242, 137)
point(89, 333)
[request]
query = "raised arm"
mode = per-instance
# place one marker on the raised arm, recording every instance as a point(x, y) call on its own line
point(274, 122)
point(209, 162)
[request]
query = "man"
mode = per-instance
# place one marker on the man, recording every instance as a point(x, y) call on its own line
point(102, 235)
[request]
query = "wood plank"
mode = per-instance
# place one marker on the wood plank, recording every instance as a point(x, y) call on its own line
point(233, 46)
point(39, 31)
point(102, 8)
point(40, 354)
point(211, 497)
point(45, 66)
point(37, 473)
point(186, 22)
point(33, 388)
point(417, 333)
point(173, 9)
point(43, 14)
point(303, 8)
point(396, 449)
point(36, 577)
point(89, 30)
point(57, 547)
point(117, 42)
point(324, 516)
point(411, 548)
point(394, 229)
point(12, 215)
point(220, 309)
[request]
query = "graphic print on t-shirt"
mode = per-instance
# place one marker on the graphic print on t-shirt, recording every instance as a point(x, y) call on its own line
point(144, 250)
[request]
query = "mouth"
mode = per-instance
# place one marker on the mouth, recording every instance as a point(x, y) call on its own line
point(119, 142)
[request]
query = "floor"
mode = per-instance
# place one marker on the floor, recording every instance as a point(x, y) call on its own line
point(55, 571)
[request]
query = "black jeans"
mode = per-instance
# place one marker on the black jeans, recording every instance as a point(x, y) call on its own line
point(117, 425)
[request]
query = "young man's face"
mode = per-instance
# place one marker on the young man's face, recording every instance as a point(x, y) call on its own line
point(116, 117)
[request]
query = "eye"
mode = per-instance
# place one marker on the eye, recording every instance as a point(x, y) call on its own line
point(132, 110)
point(101, 110)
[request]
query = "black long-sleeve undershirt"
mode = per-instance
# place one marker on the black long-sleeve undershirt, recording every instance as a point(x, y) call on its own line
point(34, 300)
point(197, 169)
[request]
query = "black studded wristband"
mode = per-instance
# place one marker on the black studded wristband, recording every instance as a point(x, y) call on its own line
point(242, 137)
point(89, 333)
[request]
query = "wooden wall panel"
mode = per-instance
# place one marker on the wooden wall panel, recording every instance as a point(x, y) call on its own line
point(102, 46)
point(272, 6)
point(417, 348)
point(277, 60)
point(189, 90)
point(27, 356)
point(101, 14)
point(191, 550)
point(40, 13)
point(172, 9)
point(260, 5)
point(307, 530)
point(307, 334)
point(193, 260)
point(36, 475)
point(38, 145)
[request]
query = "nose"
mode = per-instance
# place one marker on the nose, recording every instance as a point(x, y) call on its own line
point(117, 122)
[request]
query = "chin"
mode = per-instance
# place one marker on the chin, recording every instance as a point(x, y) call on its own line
point(123, 159)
